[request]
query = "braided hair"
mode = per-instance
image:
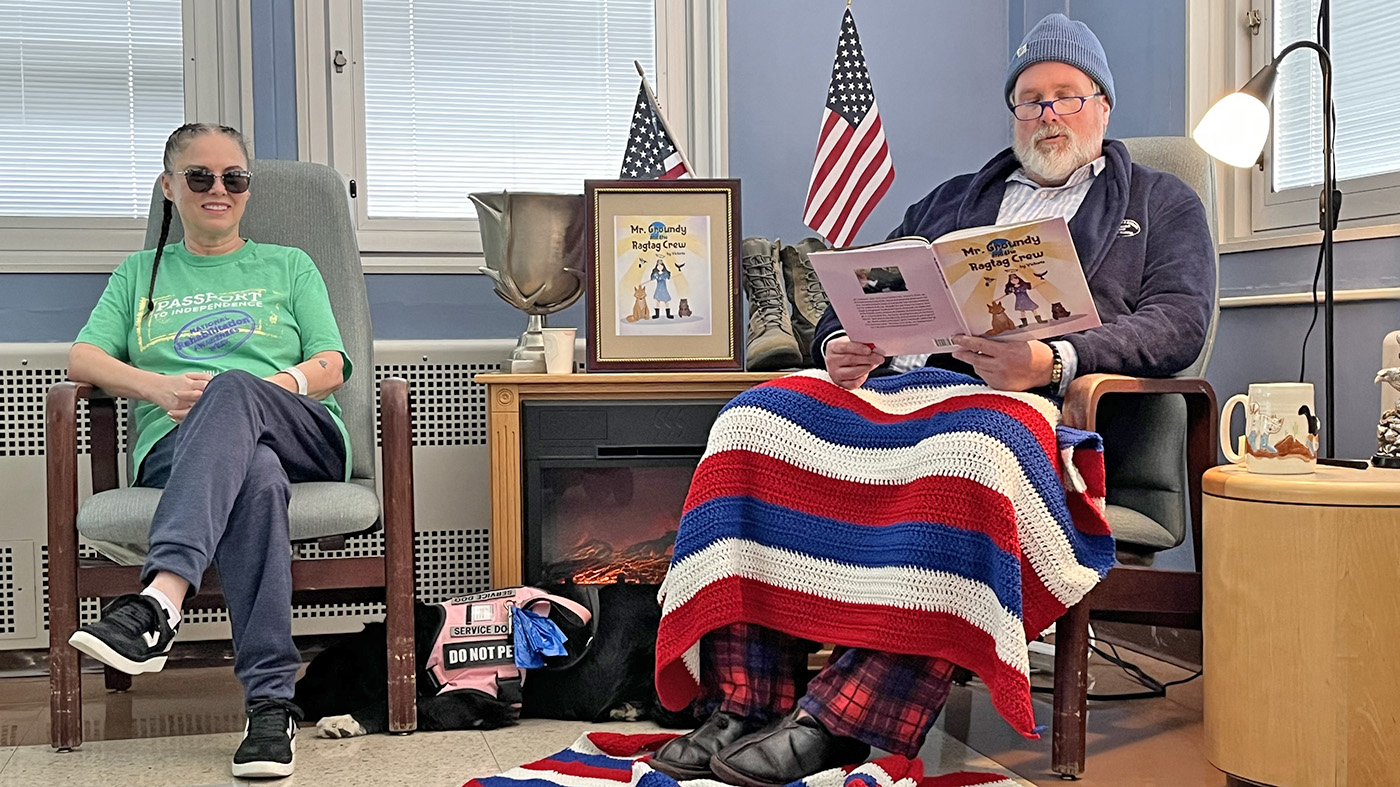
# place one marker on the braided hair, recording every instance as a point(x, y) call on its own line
point(177, 141)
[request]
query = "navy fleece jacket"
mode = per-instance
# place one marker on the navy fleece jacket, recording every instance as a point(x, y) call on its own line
point(1154, 289)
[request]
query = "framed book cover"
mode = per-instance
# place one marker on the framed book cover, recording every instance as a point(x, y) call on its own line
point(663, 290)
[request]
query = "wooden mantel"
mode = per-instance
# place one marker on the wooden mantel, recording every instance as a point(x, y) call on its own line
point(506, 392)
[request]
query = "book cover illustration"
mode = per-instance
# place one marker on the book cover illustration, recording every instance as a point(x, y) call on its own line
point(1021, 281)
point(662, 275)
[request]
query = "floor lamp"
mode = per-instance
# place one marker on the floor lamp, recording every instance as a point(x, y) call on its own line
point(1235, 130)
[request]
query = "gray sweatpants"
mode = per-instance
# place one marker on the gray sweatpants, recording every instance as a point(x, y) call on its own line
point(227, 472)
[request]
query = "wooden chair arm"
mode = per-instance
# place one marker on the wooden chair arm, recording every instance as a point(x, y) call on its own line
point(1082, 399)
point(1081, 406)
point(61, 408)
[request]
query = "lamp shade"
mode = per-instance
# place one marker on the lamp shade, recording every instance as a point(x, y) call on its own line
point(1234, 130)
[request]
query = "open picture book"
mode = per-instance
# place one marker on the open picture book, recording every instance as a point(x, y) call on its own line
point(909, 296)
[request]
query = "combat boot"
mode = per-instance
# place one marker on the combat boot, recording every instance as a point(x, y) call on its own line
point(809, 300)
point(771, 344)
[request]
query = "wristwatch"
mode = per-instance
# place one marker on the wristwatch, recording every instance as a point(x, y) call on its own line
point(1057, 366)
point(301, 378)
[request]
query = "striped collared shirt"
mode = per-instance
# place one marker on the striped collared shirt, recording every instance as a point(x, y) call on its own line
point(1026, 200)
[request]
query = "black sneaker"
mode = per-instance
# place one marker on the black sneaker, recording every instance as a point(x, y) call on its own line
point(134, 635)
point(269, 740)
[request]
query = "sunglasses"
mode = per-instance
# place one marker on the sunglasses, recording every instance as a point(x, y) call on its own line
point(236, 181)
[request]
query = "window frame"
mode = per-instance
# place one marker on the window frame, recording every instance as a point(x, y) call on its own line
point(690, 83)
point(1222, 54)
point(1296, 208)
point(218, 81)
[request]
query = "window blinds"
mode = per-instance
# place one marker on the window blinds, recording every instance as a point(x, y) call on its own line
point(1365, 38)
point(521, 95)
point(89, 90)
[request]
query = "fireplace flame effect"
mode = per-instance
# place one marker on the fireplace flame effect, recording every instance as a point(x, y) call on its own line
point(593, 561)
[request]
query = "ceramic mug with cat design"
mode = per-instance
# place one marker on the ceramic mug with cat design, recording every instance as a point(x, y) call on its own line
point(1281, 429)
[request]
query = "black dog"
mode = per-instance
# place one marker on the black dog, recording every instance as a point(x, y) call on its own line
point(611, 677)
point(346, 687)
point(607, 676)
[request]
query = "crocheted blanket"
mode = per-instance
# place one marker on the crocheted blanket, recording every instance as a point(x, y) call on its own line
point(922, 513)
point(599, 759)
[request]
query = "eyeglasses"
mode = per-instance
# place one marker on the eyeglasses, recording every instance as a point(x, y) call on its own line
point(1032, 110)
point(200, 180)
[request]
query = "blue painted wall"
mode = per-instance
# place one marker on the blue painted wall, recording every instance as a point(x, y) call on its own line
point(53, 307)
point(1145, 41)
point(937, 68)
point(46, 307)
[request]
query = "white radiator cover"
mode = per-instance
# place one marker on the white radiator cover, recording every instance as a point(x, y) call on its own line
point(451, 486)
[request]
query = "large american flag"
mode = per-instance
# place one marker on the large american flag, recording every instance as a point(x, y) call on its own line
point(651, 153)
point(853, 168)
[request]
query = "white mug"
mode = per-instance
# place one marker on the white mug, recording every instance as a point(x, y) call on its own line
point(1281, 427)
point(559, 350)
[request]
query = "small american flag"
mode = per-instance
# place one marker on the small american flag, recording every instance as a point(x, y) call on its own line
point(651, 153)
point(852, 170)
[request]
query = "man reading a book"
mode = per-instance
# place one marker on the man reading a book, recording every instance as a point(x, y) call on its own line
point(1144, 244)
point(1141, 235)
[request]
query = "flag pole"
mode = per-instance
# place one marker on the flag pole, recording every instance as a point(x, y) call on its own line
point(656, 105)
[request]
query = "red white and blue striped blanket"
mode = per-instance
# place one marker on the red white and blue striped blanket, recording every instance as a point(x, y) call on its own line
point(600, 759)
point(922, 513)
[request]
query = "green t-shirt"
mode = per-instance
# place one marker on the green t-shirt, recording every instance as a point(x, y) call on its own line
point(260, 309)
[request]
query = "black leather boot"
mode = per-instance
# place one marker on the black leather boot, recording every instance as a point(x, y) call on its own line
point(668, 315)
point(688, 757)
point(656, 314)
point(785, 751)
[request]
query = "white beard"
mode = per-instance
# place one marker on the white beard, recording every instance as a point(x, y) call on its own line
point(1056, 166)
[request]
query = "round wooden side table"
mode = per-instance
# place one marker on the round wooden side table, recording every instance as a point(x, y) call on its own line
point(1301, 625)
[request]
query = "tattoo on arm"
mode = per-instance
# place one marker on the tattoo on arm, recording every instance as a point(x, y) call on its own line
point(323, 364)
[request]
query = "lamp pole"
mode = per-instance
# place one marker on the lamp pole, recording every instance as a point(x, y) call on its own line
point(1329, 205)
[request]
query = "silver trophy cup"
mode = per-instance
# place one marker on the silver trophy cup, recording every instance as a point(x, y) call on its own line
point(534, 252)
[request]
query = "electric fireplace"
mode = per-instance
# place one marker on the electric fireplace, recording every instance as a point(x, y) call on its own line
point(604, 486)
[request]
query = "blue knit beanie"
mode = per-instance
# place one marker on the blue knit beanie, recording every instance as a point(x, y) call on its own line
point(1059, 39)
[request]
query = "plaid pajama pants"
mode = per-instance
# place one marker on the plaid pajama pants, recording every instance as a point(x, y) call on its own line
point(887, 700)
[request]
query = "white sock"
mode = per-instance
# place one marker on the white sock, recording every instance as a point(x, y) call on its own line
point(171, 611)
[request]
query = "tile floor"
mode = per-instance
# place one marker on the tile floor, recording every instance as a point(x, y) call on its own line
point(182, 728)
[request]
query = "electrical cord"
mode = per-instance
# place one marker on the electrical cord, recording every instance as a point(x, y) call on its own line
point(1155, 688)
point(1303, 364)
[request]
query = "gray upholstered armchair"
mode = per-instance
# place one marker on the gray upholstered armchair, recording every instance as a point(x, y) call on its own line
point(1153, 494)
point(294, 204)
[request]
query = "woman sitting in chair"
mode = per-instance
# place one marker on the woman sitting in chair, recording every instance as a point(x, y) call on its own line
point(232, 352)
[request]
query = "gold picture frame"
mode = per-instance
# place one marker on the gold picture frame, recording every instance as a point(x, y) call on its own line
point(663, 290)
